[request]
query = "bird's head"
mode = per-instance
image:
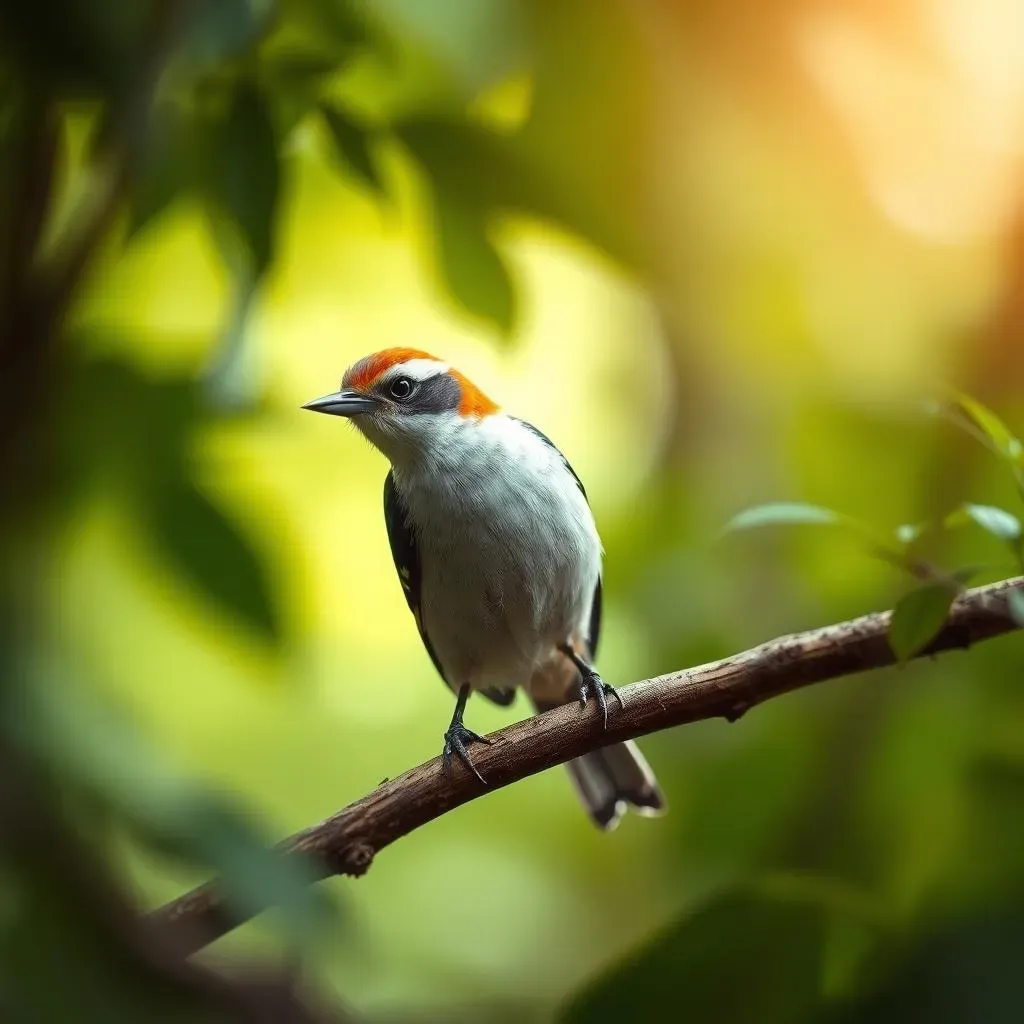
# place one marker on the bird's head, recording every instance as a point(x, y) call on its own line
point(405, 401)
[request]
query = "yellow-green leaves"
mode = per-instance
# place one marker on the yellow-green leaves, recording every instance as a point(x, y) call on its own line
point(211, 553)
point(198, 540)
point(353, 144)
point(244, 173)
point(998, 522)
point(920, 614)
point(785, 513)
point(781, 934)
point(1001, 439)
point(983, 424)
point(466, 201)
point(470, 264)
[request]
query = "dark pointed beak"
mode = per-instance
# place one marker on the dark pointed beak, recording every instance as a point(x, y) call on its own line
point(343, 403)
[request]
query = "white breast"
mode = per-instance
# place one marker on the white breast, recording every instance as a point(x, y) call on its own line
point(509, 550)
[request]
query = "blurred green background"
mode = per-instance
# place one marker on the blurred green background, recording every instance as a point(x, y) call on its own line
point(723, 254)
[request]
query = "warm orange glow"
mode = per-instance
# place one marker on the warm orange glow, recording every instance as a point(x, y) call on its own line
point(936, 121)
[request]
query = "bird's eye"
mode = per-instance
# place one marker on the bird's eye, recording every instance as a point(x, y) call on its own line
point(401, 387)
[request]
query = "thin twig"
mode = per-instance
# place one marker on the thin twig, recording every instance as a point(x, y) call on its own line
point(347, 842)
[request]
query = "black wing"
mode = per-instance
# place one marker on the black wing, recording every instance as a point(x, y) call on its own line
point(595, 608)
point(407, 562)
point(594, 633)
point(554, 447)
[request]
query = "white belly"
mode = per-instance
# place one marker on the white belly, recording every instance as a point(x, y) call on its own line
point(510, 559)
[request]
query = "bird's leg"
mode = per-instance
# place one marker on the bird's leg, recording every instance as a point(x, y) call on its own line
point(457, 736)
point(591, 682)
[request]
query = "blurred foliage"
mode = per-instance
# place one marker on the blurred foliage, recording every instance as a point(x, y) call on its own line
point(920, 614)
point(728, 250)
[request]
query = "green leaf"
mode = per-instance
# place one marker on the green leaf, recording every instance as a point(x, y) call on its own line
point(212, 554)
point(341, 23)
point(167, 168)
point(102, 402)
point(999, 435)
point(784, 513)
point(496, 172)
point(468, 171)
point(478, 44)
point(969, 971)
point(353, 143)
point(983, 424)
point(224, 28)
point(246, 185)
point(245, 176)
point(303, 71)
point(1015, 601)
point(1002, 525)
point(472, 268)
point(475, 162)
point(918, 617)
point(741, 958)
point(997, 521)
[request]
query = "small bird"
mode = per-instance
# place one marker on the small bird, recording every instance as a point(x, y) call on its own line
point(498, 555)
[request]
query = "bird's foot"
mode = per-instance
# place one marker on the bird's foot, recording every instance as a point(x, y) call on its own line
point(455, 741)
point(591, 684)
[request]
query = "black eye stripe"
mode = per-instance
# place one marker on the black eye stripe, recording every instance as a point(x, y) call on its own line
point(440, 393)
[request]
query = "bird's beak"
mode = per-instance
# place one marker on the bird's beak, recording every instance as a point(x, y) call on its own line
point(343, 403)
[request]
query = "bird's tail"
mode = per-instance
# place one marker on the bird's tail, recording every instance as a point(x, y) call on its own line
point(613, 779)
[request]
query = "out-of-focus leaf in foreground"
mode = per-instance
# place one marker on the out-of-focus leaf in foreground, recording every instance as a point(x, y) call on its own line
point(970, 972)
point(150, 466)
point(496, 172)
point(212, 553)
point(90, 750)
point(167, 168)
point(746, 956)
point(245, 174)
point(471, 266)
point(353, 142)
point(215, 31)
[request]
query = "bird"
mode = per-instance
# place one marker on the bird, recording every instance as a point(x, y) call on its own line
point(498, 555)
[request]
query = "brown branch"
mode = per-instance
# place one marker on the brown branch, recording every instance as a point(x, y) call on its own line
point(346, 843)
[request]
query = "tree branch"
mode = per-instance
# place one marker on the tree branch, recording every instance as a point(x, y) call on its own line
point(346, 843)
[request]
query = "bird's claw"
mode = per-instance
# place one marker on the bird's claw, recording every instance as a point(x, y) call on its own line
point(592, 683)
point(455, 740)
